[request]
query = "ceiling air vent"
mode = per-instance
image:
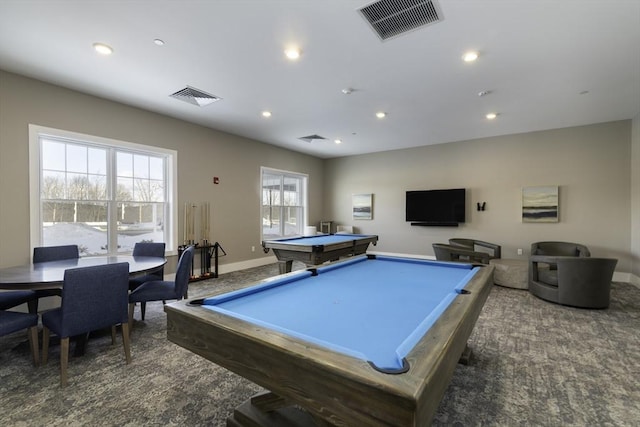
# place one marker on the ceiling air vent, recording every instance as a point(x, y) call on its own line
point(390, 18)
point(310, 138)
point(195, 96)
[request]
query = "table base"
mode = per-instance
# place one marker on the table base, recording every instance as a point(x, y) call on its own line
point(267, 409)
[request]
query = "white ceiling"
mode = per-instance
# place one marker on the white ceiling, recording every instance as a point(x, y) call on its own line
point(537, 57)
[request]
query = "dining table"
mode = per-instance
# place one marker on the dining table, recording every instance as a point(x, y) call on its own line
point(50, 275)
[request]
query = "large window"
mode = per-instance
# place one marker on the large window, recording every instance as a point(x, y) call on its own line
point(102, 195)
point(284, 202)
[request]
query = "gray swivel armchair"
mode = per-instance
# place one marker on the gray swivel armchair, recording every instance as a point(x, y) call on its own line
point(494, 251)
point(559, 249)
point(444, 252)
point(575, 281)
point(547, 270)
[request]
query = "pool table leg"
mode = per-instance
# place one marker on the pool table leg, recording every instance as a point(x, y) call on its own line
point(465, 357)
point(285, 266)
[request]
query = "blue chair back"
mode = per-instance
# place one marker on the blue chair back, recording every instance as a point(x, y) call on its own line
point(183, 272)
point(55, 253)
point(150, 249)
point(94, 298)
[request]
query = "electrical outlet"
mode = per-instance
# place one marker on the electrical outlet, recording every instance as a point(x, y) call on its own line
point(519, 251)
point(253, 248)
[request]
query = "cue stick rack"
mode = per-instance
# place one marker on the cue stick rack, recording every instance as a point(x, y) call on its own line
point(206, 253)
point(202, 247)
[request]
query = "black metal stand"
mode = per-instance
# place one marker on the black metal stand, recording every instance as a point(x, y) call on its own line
point(206, 251)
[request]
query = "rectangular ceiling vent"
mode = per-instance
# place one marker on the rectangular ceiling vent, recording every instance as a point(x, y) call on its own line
point(310, 138)
point(195, 96)
point(390, 18)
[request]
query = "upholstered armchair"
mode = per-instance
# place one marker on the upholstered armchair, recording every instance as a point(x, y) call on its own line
point(444, 252)
point(546, 270)
point(494, 251)
point(559, 249)
point(575, 281)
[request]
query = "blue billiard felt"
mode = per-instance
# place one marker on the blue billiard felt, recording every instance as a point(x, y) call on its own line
point(373, 309)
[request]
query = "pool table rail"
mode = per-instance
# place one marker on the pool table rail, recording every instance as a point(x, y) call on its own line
point(333, 386)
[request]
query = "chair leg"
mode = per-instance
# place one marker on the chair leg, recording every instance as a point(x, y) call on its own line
point(64, 360)
point(45, 345)
point(125, 342)
point(33, 306)
point(132, 306)
point(33, 340)
point(143, 308)
point(113, 335)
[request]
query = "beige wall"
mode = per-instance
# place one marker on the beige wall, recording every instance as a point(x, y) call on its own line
point(590, 164)
point(597, 168)
point(202, 154)
point(635, 199)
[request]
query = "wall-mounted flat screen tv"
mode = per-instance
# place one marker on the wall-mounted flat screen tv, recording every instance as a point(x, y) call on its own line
point(436, 207)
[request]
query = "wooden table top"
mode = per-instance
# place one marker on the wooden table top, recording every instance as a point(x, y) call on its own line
point(49, 275)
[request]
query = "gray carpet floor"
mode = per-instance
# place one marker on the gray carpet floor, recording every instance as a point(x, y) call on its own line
point(535, 364)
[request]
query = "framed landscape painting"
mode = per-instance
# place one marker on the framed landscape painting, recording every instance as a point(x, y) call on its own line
point(540, 204)
point(362, 205)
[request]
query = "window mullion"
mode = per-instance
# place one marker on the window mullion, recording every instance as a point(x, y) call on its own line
point(112, 204)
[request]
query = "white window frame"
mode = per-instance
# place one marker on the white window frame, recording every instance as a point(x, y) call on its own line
point(37, 131)
point(305, 193)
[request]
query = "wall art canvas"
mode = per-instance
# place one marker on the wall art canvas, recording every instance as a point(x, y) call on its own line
point(362, 206)
point(540, 204)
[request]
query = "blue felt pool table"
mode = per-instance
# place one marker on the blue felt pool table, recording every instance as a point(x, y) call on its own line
point(315, 250)
point(372, 340)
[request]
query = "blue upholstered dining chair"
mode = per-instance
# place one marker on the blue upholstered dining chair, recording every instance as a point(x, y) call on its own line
point(162, 290)
point(52, 253)
point(92, 298)
point(55, 253)
point(147, 249)
point(12, 299)
point(11, 321)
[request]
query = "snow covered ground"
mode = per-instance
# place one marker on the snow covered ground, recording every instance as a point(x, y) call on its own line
point(92, 241)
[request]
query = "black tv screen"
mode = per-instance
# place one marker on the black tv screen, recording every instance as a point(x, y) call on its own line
point(436, 207)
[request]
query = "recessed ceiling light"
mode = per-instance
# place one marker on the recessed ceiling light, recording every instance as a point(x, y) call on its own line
point(159, 42)
point(337, 141)
point(381, 114)
point(103, 49)
point(266, 114)
point(292, 53)
point(470, 56)
point(491, 116)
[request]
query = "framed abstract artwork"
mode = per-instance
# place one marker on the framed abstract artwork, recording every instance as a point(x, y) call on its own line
point(362, 206)
point(540, 204)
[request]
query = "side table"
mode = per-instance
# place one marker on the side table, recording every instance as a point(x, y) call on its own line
point(511, 273)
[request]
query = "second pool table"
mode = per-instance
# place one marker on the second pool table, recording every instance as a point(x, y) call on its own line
point(372, 340)
point(315, 250)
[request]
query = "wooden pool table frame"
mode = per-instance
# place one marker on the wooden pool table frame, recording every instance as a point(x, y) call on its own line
point(331, 386)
